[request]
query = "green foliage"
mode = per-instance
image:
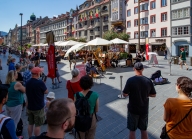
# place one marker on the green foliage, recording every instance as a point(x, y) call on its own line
point(110, 35)
point(123, 36)
point(29, 46)
point(19, 48)
point(45, 42)
point(71, 38)
point(82, 40)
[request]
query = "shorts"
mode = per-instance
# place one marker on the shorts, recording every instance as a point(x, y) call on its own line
point(57, 74)
point(36, 117)
point(137, 121)
point(72, 60)
point(183, 61)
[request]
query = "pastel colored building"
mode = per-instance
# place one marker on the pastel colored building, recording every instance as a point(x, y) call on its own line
point(154, 25)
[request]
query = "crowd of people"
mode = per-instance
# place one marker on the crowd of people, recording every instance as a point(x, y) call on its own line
point(79, 110)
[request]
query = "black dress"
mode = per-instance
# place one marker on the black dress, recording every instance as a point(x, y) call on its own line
point(20, 77)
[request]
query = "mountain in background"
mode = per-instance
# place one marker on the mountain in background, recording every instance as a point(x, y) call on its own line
point(2, 33)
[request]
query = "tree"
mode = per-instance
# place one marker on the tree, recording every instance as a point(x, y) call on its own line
point(71, 38)
point(82, 40)
point(110, 35)
point(29, 46)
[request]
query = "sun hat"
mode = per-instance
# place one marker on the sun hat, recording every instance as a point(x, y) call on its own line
point(138, 66)
point(36, 70)
point(51, 95)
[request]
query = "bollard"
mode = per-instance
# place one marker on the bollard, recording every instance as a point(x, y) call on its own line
point(121, 93)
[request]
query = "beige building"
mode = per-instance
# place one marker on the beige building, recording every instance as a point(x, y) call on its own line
point(94, 18)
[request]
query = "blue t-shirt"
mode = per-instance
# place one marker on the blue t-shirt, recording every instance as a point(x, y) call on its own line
point(15, 97)
point(35, 94)
point(11, 66)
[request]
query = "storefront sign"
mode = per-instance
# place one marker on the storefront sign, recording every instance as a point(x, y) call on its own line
point(51, 62)
point(160, 40)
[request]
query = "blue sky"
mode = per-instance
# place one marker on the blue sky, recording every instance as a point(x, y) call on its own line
point(10, 9)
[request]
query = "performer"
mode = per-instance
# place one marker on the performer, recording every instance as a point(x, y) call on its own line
point(71, 58)
point(115, 59)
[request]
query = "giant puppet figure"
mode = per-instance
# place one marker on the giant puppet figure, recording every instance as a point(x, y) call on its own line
point(51, 55)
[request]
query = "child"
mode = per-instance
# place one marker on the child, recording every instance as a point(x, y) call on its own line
point(50, 97)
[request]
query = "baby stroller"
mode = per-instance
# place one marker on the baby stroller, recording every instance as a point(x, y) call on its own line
point(158, 79)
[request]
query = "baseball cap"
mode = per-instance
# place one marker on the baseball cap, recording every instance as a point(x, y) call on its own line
point(138, 66)
point(51, 95)
point(36, 70)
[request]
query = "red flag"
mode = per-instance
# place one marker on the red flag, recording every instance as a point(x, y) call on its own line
point(51, 62)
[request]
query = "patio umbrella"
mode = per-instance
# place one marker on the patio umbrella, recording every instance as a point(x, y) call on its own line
point(118, 41)
point(75, 48)
point(98, 41)
point(57, 43)
point(68, 43)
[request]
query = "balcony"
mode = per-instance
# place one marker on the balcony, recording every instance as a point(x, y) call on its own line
point(97, 32)
point(91, 32)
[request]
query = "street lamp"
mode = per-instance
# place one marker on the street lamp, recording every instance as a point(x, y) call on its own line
point(21, 31)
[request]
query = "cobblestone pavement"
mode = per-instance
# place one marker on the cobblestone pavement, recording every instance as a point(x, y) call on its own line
point(113, 111)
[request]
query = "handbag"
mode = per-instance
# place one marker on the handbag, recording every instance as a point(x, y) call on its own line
point(164, 134)
point(1, 68)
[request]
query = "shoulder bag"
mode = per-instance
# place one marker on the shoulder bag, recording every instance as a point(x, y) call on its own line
point(164, 134)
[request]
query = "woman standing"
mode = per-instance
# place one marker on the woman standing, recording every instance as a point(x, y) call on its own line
point(86, 82)
point(73, 85)
point(177, 109)
point(15, 97)
point(19, 75)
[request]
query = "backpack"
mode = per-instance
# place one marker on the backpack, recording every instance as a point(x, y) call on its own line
point(2, 120)
point(155, 75)
point(83, 120)
point(19, 129)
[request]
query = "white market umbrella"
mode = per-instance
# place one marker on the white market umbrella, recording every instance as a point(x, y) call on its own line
point(75, 48)
point(57, 43)
point(152, 53)
point(118, 41)
point(98, 41)
point(68, 43)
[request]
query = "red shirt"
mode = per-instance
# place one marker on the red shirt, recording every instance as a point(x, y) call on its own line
point(73, 88)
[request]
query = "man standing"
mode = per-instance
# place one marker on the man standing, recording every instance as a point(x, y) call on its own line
point(60, 119)
point(183, 58)
point(71, 58)
point(165, 53)
point(12, 64)
point(35, 90)
point(139, 88)
point(27, 74)
point(37, 58)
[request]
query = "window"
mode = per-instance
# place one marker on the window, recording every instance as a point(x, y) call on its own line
point(163, 17)
point(144, 21)
point(153, 19)
point(153, 4)
point(97, 29)
point(144, 34)
point(136, 10)
point(136, 22)
point(174, 1)
point(128, 13)
point(135, 1)
point(144, 7)
point(163, 32)
point(163, 3)
point(181, 13)
point(128, 24)
point(136, 35)
point(105, 28)
point(180, 30)
point(105, 18)
point(85, 23)
point(153, 33)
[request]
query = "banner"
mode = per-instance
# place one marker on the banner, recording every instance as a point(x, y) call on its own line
point(51, 62)
point(147, 48)
point(81, 68)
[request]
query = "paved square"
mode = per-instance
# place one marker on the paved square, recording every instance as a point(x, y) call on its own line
point(113, 110)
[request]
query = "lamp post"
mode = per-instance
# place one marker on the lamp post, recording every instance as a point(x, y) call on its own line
point(21, 31)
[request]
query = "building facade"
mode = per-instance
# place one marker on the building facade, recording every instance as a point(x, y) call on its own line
point(60, 27)
point(181, 26)
point(94, 18)
point(118, 15)
point(154, 25)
